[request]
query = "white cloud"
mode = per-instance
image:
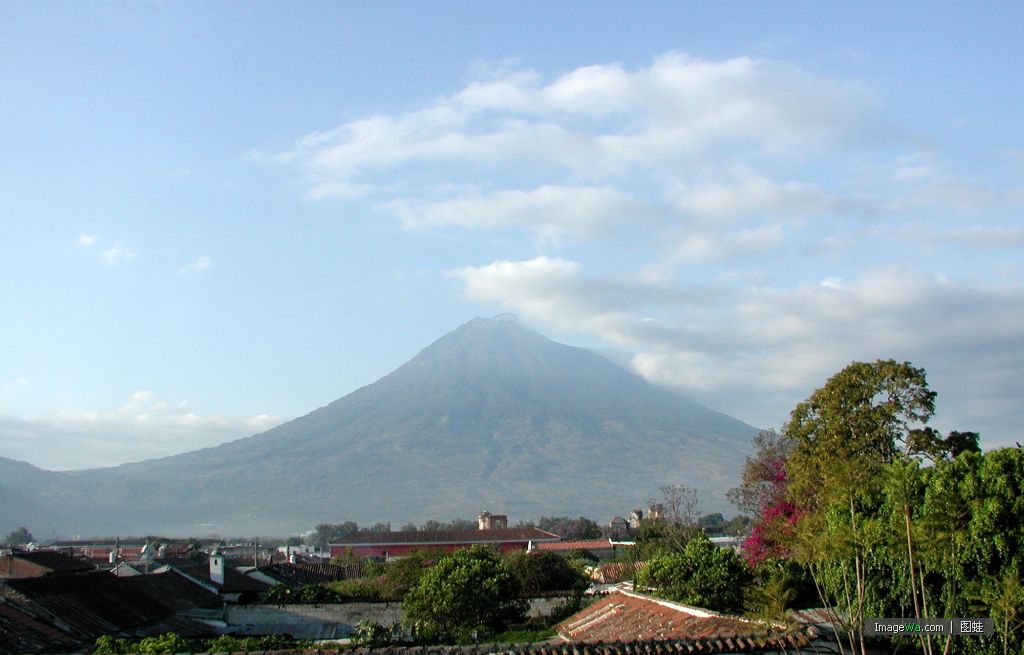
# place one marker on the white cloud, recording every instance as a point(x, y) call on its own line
point(774, 223)
point(759, 350)
point(119, 253)
point(586, 137)
point(694, 155)
point(751, 194)
point(86, 240)
point(145, 426)
point(551, 212)
point(199, 265)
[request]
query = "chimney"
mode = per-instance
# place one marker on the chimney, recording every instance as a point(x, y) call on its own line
point(217, 566)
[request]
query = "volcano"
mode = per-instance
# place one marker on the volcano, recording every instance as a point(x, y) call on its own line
point(492, 415)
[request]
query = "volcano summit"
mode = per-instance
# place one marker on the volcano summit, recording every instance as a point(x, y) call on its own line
point(492, 415)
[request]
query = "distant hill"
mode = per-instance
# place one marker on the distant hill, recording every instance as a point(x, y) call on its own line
point(492, 415)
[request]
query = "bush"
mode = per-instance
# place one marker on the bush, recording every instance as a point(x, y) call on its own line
point(465, 591)
point(174, 643)
point(544, 571)
point(309, 594)
point(372, 633)
point(702, 574)
point(357, 589)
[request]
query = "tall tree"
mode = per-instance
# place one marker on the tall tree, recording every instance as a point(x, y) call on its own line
point(465, 589)
point(19, 536)
point(764, 493)
point(843, 435)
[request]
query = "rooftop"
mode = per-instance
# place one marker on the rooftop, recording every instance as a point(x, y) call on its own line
point(22, 633)
point(52, 560)
point(427, 537)
point(89, 604)
point(626, 616)
point(588, 544)
point(302, 573)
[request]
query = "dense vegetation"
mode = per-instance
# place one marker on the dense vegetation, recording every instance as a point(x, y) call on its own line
point(174, 643)
point(702, 574)
point(885, 516)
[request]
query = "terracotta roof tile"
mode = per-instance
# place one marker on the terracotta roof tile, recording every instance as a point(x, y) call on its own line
point(23, 633)
point(608, 572)
point(53, 560)
point(91, 604)
point(622, 616)
point(588, 544)
point(784, 643)
point(302, 573)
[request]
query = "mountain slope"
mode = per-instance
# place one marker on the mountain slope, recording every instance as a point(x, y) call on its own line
point(492, 415)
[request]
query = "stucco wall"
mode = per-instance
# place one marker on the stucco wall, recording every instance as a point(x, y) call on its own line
point(345, 615)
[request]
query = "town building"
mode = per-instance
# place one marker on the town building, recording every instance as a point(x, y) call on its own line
point(40, 563)
point(492, 530)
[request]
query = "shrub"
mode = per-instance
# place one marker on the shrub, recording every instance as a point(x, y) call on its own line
point(702, 574)
point(469, 589)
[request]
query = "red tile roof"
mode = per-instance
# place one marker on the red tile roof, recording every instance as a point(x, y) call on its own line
point(607, 572)
point(23, 633)
point(302, 573)
point(623, 616)
point(589, 544)
point(89, 604)
point(437, 537)
point(54, 561)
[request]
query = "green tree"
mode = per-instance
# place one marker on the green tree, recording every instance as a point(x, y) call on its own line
point(19, 536)
point(881, 533)
point(325, 533)
point(403, 574)
point(544, 571)
point(861, 419)
point(464, 590)
point(864, 418)
point(701, 574)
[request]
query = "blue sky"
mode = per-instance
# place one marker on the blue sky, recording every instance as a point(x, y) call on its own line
point(218, 216)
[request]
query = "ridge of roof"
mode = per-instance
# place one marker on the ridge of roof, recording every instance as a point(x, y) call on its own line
point(427, 537)
point(624, 613)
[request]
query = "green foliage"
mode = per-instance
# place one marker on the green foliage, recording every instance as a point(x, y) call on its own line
point(19, 536)
point(357, 589)
point(525, 635)
point(383, 580)
point(702, 574)
point(166, 643)
point(325, 533)
point(308, 594)
point(399, 576)
point(175, 643)
point(372, 633)
point(463, 590)
point(579, 558)
point(568, 607)
point(544, 571)
point(777, 586)
point(883, 535)
point(740, 524)
point(853, 425)
point(569, 528)
point(232, 644)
